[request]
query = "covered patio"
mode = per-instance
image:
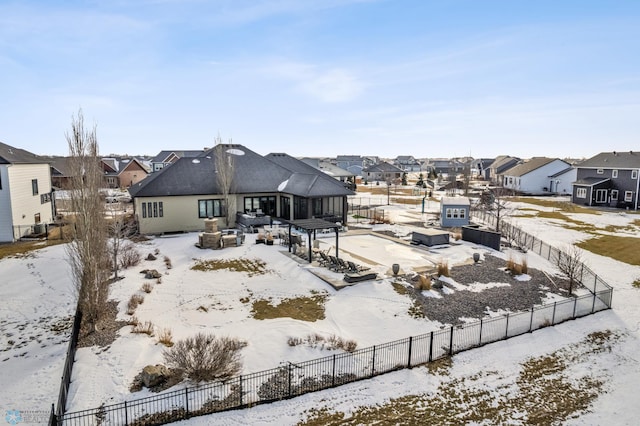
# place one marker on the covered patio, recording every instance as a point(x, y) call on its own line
point(311, 226)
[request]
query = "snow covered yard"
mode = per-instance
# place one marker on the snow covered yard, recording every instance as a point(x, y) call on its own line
point(593, 358)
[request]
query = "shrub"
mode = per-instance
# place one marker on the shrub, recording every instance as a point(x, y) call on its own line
point(424, 283)
point(166, 337)
point(167, 262)
point(636, 283)
point(206, 357)
point(294, 341)
point(129, 255)
point(133, 303)
point(147, 287)
point(443, 268)
point(159, 280)
point(133, 321)
point(156, 251)
point(524, 266)
point(143, 328)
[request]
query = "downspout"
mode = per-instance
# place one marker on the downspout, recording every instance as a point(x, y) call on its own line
point(637, 188)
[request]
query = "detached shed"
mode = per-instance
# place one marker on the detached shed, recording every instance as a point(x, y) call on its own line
point(454, 212)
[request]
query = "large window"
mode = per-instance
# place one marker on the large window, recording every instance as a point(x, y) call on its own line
point(581, 193)
point(614, 195)
point(634, 174)
point(34, 186)
point(210, 208)
point(264, 204)
point(152, 209)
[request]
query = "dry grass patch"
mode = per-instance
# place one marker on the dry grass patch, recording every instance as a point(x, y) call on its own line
point(146, 327)
point(564, 206)
point(24, 248)
point(166, 337)
point(636, 283)
point(250, 266)
point(309, 308)
point(330, 343)
point(624, 249)
point(545, 392)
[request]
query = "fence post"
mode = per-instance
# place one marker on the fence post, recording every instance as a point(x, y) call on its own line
point(410, 347)
point(595, 282)
point(186, 402)
point(506, 330)
point(241, 393)
point(593, 306)
point(575, 304)
point(289, 378)
point(553, 316)
point(373, 360)
point(431, 347)
point(531, 321)
point(126, 414)
point(333, 372)
point(451, 342)
point(480, 341)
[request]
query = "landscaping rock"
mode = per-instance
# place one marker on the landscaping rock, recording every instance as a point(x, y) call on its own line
point(151, 257)
point(152, 273)
point(153, 375)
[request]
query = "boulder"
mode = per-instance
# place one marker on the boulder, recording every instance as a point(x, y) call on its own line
point(153, 375)
point(152, 273)
point(151, 257)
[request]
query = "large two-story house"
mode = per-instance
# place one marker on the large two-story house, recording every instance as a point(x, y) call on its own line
point(608, 179)
point(179, 197)
point(25, 193)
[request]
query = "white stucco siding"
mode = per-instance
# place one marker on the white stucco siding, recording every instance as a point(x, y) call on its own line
point(179, 214)
point(6, 224)
point(24, 204)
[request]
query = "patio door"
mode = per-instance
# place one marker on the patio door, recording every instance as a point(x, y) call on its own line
point(285, 207)
point(601, 196)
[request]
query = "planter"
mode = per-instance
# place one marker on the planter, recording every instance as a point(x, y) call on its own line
point(395, 268)
point(269, 242)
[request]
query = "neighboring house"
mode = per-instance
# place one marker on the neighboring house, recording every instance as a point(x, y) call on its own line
point(382, 171)
point(408, 163)
point(355, 163)
point(123, 172)
point(180, 197)
point(445, 167)
point(480, 168)
point(344, 176)
point(608, 179)
point(534, 176)
point(25, 193)
point(165, 158)
point(562, 182)
point(499, 166)
point(454, 212)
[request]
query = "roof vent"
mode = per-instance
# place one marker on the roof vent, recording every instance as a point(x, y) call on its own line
point(195, 161)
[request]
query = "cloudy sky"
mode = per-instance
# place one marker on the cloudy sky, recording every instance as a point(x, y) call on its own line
point(324, 77)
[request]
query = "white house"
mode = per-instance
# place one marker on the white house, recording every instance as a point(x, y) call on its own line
point(25, 193)
point(535, 176)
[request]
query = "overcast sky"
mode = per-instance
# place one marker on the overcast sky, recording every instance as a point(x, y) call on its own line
point(444, 78)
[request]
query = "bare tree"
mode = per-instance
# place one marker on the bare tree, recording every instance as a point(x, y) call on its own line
point(224, 164)
point(120, 227)
point(495, 202)
point(570, 263)
point(87, 251)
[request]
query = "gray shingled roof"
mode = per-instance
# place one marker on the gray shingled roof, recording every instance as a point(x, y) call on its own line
point(12, 155)
point(253, 173)
point(529, 166)
point(590, 181)
point(383, 167)
point(162, 155)
point(613, 160)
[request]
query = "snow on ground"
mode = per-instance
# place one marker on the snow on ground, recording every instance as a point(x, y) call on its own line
point(37, 294)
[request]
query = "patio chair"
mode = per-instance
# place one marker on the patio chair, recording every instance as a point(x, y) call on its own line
point(333, 263)
point(356, 268)
point(324, 259)
point(342, 264)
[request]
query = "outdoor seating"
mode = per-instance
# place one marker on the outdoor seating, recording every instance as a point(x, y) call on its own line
point(324, 259)
point(342, 265)
point(352, 267)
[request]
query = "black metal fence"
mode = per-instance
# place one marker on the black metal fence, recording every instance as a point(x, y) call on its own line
point(366, 214)
point(49, 231)
point(67, 370)
point(293, 379)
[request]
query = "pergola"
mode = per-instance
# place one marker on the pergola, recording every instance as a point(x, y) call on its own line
point(311, 226)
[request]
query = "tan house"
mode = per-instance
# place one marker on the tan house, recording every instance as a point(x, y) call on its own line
point(25, 193)
point(263, 188)
point(124, 172)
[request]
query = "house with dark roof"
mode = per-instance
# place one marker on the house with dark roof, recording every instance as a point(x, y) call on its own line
point(344, 176)
point(165, 158)
point(608, 179)
point(124, 172)
point(408, 163)
point(534, 176)
point(25, 193)
point(179, 197)
point(383, 171)
point(355, 163)
point(480, 168)
point(499, 166)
